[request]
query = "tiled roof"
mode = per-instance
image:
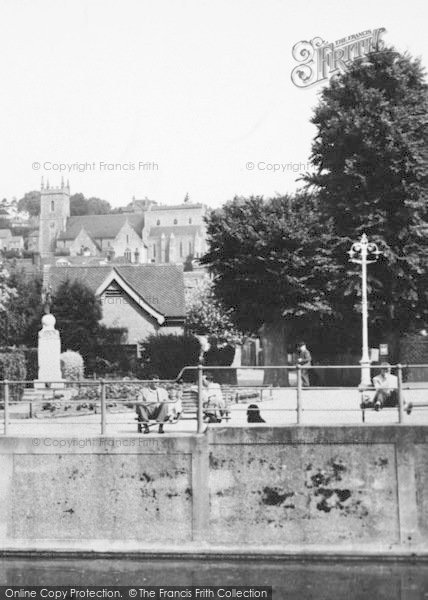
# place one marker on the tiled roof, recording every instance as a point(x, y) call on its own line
point(175, 229)
point(161, 286)
point(101, 226)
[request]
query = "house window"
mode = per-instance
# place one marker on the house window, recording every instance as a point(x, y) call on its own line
point(52, 205)
point(190, 247)
point(181, 249)
point(175, 221)
point(190, 220)
point(127, 239)
point(154, 250)
point(158, 222)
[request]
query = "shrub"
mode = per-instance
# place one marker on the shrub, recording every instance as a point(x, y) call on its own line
point(12, 366)
point(31, 362)
point(166, 355)
point(72, 365)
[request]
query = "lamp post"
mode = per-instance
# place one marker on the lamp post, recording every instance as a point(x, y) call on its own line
point(359, 253)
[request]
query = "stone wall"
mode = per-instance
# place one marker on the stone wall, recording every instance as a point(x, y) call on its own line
point(356, 491)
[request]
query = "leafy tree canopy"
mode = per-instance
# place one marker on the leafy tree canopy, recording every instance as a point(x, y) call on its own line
point(79, 205)
point(30, 203)
point(371, 156)
point(268, 259)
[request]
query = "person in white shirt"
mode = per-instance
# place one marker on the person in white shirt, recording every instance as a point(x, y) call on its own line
point(152, 405)
point(386, 386)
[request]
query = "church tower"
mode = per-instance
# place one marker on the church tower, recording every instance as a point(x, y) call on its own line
point(54, 212)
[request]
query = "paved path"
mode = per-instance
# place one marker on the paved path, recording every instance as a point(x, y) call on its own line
point(320, 407)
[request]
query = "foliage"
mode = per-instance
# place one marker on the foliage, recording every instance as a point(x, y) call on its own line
point(79, 205)
point(269, 260)
point(7, 291)
point(166, 355)
point(78, 312)
point(371, 155)
point(20, 318)
point(30, 203)
point(31, 362)
point(206, 315)
point(12, 367)
point(72, 367)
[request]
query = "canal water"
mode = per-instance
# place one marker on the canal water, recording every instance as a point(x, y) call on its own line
point(290, 580)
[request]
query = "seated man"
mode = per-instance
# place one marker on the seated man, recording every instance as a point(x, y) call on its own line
point(152, 405)
point(386, 388)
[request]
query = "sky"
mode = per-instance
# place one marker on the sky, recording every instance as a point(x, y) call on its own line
point(189, 92)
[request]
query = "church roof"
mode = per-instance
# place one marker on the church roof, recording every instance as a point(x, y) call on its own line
point(184, 206)
point(101, 226)
point(160, 286)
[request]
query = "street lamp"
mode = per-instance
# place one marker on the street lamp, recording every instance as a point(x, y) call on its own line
point(359, 253)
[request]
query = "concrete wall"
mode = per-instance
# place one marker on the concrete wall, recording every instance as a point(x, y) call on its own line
point(356, 491)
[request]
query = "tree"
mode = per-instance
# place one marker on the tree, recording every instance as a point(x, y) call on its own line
point(30, 203)
point(206, 315)
point(371, 155)
point(21, 320)
point(77, 311)
point(269, 265)
point(79, 205)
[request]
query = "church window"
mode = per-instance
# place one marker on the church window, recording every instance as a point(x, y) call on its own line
point(127, 239)
point(190, 220)
point(154, 250)
point(190, 247)
point(128, 254)
point(158, 222)
point(181, 249)
point(175, 221)
point(52, 205)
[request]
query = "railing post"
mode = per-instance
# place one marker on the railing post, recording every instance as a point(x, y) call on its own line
point(200, 407)
point(103, 408)
point(299, 394)
point(6, 407)
point(400, 393)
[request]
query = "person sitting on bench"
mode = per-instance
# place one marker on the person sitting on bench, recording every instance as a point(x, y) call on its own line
point(386, 386)
point(175, 408)
point(152, 405)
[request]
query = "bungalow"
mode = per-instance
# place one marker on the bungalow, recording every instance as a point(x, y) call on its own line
point(144, 299)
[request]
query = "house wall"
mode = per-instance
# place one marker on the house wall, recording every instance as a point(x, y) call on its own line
point(122, 311)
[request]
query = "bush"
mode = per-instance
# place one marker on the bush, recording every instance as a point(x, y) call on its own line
point(72, 365)
point(166, 355)
point(12, 366)
point(31, 362)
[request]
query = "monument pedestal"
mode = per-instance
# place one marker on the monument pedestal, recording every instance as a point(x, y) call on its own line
point(49, 352)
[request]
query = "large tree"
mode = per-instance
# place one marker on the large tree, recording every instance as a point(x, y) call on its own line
point(30, 203)
point(20, 319)
point(270, 267)
point(371, 159)
point(78, 313)
point(79, 205)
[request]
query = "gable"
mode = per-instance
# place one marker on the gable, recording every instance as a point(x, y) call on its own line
point(161, 287)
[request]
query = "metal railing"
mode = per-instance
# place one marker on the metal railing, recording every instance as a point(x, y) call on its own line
point(8, 389)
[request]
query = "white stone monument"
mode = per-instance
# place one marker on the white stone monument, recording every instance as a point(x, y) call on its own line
point(49, 351)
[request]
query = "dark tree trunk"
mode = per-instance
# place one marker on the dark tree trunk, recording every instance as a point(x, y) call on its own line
point(274, 338)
